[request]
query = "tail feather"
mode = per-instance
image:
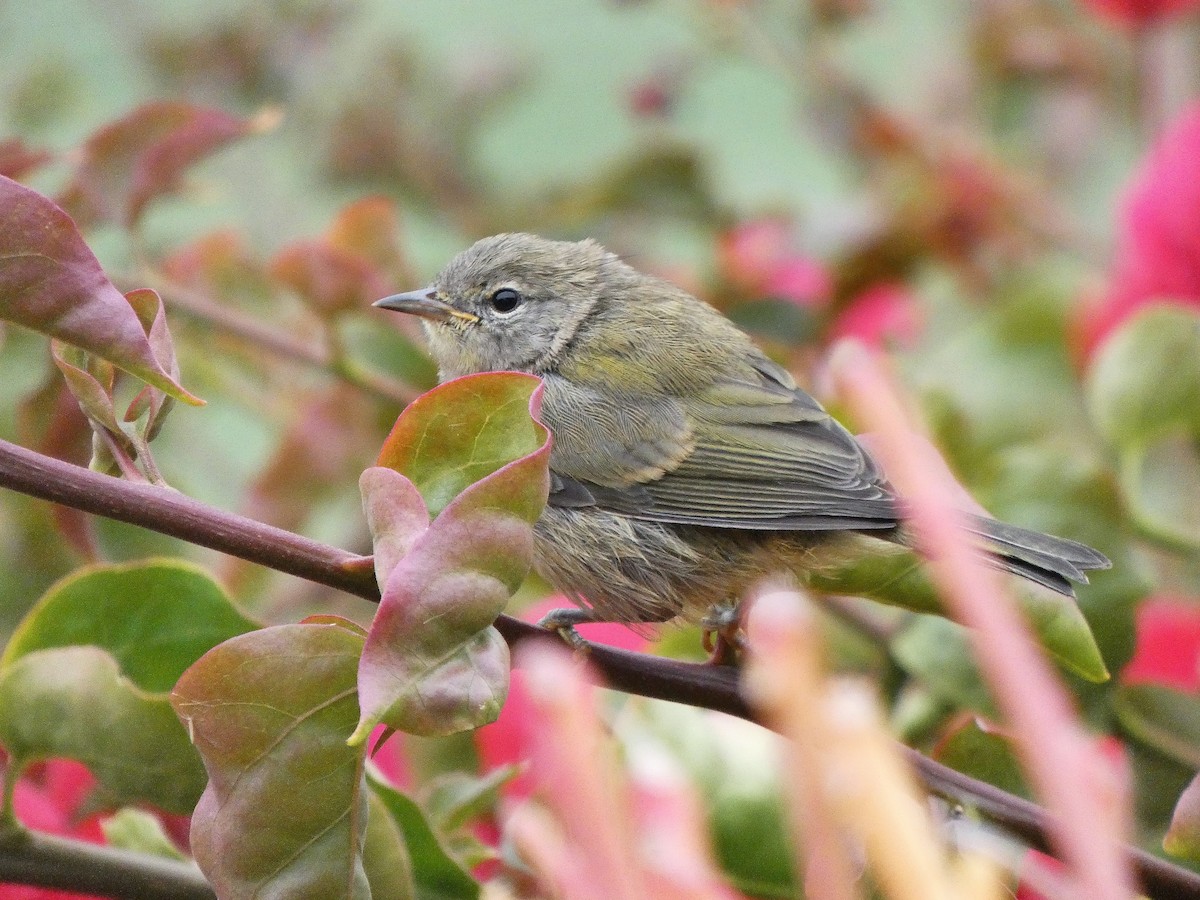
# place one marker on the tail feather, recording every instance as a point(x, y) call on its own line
point(1052, 562)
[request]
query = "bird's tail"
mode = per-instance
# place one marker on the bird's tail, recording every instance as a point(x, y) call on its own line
point(1050, 561)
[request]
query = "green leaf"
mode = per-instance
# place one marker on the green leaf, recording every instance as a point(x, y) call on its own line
point(893, 576)
point(156, 617)
point(1164, 718)
point(751, 844)
point(139, 831)
point(432, 663)
point(1161, 484)
point(74, 702)
point(938, 652)
point(1145, 380)
point(462, 431)
point(437, 875)
point(1143, 393)
point(52, 283)
point(284, 813)
point(385, 855)
point(90, 380)
point(1063, 631)
point(1183, 837)
point(885, 573)
point(1062, 489)
point(454, 799)
point(980, 752)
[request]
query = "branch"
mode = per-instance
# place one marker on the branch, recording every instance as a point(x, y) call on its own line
point(260, 337)
point(709, 687)
point(30, 857)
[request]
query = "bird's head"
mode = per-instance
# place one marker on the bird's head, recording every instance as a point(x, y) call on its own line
point(511, 301)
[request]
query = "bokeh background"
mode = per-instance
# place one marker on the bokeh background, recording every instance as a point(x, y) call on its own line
point(1001, 194)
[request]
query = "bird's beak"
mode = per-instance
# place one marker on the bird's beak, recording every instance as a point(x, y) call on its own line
point(424, 303)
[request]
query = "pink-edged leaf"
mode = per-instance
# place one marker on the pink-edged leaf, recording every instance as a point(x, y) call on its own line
point(462, 431)
point(133, 160)
point(284, 813)
point(396, 515)
point(1183, 837)
point(432, 663)
point(91, 384)
point(52, 283)
point(151, 402)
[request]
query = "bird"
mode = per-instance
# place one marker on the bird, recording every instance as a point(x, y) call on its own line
point(686, 465)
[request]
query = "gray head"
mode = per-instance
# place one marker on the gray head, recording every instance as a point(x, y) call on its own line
point(511, 301)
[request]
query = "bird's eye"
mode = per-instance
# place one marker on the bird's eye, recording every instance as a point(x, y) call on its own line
point(505, 300)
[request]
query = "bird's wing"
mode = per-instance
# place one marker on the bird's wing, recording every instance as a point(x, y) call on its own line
point(749, 452)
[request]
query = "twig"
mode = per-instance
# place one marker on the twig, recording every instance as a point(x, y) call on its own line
point(262, 337)
point(31, 857)
point(693, 684)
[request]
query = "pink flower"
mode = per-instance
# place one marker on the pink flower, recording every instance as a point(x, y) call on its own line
point(47, 799)
point(757, 257)
point(798, 279)
point(882, 315)
point(509, 739)
point(1158, 243)
point(1140, 13)
point(1168, 645)
point(1038, 868)
point(391, 758)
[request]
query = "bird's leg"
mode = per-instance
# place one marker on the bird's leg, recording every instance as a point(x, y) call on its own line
point(563, 621)
point(723, 637)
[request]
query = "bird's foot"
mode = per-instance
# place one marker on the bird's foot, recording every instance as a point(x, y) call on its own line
point(723, 637)
point(563, 621)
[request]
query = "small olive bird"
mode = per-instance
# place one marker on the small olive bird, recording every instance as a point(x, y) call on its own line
point(685, 465)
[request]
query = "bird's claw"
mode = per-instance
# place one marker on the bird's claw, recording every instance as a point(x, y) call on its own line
point(723, 636)
point(563, 622)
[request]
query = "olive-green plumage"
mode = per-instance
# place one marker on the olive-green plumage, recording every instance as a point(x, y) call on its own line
point(685, 463)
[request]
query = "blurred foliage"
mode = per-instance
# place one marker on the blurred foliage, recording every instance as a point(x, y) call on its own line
point(814, 170)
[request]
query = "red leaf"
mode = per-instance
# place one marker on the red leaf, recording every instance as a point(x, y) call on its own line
point(328, 278)
point(509, 739)
point(128, 163)
point(51, 282)
point(354, 262)
point(758, 257)
point(221, 264)
point(18, 160)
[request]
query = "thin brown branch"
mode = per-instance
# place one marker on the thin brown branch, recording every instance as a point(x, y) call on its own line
point(706, 686)
point(262, 337)
point(30, 857)
point(169, 512)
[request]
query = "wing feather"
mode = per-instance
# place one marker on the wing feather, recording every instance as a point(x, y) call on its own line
point(761, 454)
